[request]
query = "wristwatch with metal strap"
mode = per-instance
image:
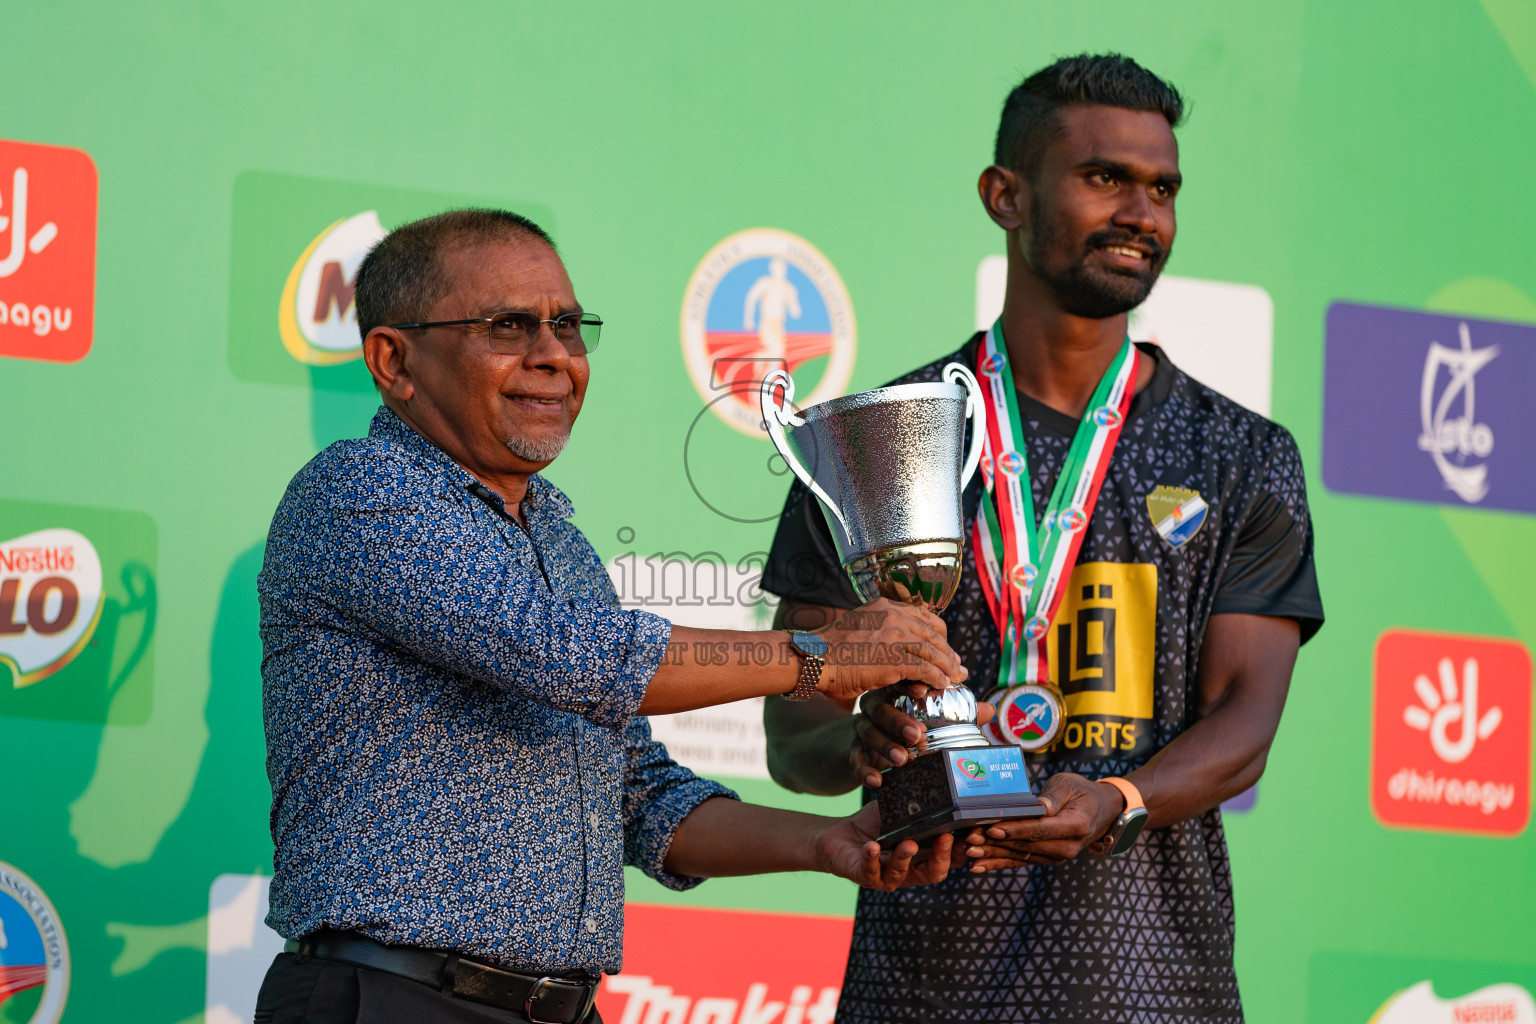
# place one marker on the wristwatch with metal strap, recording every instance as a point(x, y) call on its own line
point(813, 654)
point(1127, 827)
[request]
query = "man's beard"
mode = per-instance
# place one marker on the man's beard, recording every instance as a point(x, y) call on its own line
point(1079, 289)
point(537, 449)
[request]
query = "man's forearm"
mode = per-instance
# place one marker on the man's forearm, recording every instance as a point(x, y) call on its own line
point(808, 746)
point(724, 837)
point(1210, 762)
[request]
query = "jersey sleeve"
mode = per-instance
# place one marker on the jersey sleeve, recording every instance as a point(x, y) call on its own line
point(1271, 570)
point(802, 564)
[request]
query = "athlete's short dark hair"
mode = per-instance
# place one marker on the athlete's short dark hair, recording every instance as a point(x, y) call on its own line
point(402, 276)
point(1030, 120)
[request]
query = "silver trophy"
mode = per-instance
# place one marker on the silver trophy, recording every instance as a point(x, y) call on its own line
point(888, 467)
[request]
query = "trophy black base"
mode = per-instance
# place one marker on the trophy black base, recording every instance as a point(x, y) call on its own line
point(953, 790)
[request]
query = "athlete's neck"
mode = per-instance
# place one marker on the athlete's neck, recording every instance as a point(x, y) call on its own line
point(1057, 358)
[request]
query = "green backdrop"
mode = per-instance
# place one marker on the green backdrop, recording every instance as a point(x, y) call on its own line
point(1370, 151)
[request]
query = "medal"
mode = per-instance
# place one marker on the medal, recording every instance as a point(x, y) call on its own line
point(1022, 568)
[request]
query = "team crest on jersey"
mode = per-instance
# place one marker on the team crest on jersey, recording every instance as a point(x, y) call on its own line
point(763, 300)
point(1177, 513)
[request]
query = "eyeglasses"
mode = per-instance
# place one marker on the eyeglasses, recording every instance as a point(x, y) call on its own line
point(514, 333)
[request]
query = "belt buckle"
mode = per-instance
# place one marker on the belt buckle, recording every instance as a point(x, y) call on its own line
point(537, 992)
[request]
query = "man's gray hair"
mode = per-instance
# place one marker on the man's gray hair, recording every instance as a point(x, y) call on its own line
point(402, 277)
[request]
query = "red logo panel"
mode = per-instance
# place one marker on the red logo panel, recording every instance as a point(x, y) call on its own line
point(1452, 748)
point(706, 966)
point(47, 251)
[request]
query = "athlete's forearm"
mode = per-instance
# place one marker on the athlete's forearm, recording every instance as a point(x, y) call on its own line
point(1210, 762)
point(1245, 674)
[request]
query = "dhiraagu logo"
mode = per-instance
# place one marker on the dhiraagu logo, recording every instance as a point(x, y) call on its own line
point(297, 244)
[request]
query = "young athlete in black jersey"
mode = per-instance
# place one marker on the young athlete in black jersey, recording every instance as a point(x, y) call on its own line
point(1173, 646)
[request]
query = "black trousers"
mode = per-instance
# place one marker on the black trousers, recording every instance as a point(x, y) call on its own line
point(308, 990)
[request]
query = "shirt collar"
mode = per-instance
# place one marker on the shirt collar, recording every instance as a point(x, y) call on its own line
point(542, 498)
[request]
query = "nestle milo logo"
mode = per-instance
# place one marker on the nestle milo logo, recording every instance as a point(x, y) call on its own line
point(50, 601)
point(77, 613)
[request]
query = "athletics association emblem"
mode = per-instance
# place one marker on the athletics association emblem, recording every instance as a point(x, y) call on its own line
point(1177, 513)
point(50, 602)
point(1452, 442)
point(1028, 716)
point(1106, 416)
point(993, 364)
point(316, 317)
point(34, 956)
point(1011, 463)
point(1071, 520)
point(762, 300)
point(1023, 575)
point(973, 768)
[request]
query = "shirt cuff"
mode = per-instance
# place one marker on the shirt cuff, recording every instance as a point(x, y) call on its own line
point(662, 817)
point(647, 646)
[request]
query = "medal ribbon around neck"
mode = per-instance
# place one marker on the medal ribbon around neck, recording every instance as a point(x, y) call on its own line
point(1025, 597)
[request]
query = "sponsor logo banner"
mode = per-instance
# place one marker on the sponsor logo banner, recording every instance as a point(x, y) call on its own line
point(297, 245)
point(77, 613)
point(34, 954)
point(47, 251)
point(1451, 743)
point(1425, 407)
point(762, 300)
point(706, 966)
point(1364, 988)
point(1101, 651)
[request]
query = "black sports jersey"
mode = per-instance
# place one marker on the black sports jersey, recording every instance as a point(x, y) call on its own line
point(1146, 936)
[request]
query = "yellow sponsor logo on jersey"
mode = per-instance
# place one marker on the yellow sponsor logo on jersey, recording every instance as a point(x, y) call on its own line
point(1102, 650)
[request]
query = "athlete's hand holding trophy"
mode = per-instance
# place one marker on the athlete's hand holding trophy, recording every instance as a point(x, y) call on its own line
point(888, 467)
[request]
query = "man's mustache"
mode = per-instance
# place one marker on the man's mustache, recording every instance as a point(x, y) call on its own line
point(1101, 239)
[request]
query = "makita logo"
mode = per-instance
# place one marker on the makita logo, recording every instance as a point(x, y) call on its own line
point(650, 1003)
point(694, 965)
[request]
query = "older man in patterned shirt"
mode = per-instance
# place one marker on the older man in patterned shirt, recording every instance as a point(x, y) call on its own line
point(453, 695)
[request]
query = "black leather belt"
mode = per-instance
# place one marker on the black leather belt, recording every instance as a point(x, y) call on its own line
point(543, 1000)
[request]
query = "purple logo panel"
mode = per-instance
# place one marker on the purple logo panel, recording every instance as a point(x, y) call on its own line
point(1425, 407)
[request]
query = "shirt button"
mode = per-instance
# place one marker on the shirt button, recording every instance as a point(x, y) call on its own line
point(590, 924)
point(594, 821)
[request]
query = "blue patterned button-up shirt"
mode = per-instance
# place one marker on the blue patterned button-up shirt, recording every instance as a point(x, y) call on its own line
point(450, 706)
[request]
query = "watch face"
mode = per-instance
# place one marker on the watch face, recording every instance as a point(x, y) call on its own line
point(1135, 820)
point(809, 643)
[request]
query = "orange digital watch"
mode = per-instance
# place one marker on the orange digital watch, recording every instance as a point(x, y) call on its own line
point(1127, 827)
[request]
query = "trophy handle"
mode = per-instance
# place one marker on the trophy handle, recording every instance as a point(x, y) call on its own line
point(976, 411)
point(776, 418)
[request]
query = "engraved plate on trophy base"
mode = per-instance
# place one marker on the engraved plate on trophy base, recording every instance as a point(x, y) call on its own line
point(954, 790)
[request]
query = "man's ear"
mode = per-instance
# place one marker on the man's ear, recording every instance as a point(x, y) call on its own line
point(385, 350)
point(1005, 194)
